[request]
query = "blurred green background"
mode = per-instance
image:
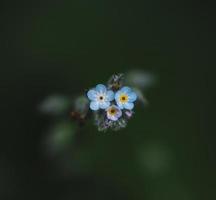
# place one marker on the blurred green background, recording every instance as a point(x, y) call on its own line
point(63, 48)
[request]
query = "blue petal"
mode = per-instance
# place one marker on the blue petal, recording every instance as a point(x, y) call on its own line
point(117, 95)
point(94, 105)
point(100, 88)
point(110, 95)
point(132, 96)
point(104, 105)
point(126, 89)
point(129, 106)
point(120, 105)
point(91, 94)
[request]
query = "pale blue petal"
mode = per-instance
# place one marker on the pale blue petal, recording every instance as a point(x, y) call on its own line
point(120, 105)
point(94, 105)
point(100, 88)
point(91, 94)
point(129, 106)
point(117, 95)
point(126, 89)
point(110, 95)
point(104, 105)
point(132, 97)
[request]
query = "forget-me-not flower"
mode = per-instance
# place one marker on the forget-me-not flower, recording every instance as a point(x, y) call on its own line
point(125, 98)
point(113, 113)
point(100, 97)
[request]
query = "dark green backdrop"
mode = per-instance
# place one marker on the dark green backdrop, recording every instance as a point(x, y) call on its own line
point(64, 47)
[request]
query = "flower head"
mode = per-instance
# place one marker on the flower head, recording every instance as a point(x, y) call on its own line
point(100, 97)
point(125, 98)
point(113, 113)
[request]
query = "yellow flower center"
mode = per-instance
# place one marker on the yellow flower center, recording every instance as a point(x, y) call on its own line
point(123, 98)
point(112, 111)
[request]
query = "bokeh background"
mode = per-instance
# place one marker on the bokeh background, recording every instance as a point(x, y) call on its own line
point(64, 47)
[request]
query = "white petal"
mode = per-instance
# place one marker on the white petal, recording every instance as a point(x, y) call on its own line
point(119, 113)
point(112, 117)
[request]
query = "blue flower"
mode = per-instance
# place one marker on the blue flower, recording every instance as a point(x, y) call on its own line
point(125, 98)
point(113, 113)
point(100, 97)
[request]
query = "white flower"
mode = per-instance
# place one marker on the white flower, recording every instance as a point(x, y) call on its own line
point(113, 113)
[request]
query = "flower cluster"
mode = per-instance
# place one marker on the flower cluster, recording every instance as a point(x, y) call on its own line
point(112, 105)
